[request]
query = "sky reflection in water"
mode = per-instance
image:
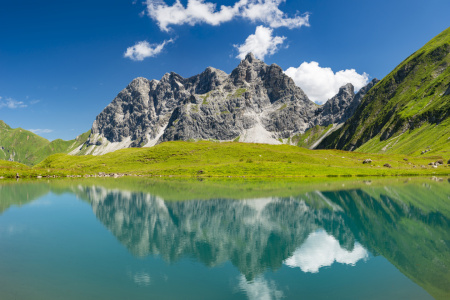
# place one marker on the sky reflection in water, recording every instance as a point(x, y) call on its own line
point(83, 239)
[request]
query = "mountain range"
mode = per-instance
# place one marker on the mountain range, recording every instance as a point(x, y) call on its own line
point(406, 112)
point(255, 103)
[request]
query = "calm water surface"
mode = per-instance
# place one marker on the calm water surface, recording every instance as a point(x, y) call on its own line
point(125, 239)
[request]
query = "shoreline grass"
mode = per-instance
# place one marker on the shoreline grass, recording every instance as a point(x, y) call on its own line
point(230, 159)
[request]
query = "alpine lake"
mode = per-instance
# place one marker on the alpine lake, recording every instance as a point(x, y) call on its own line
point(142, 238)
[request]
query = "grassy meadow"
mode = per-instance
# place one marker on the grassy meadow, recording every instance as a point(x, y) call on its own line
point(231, 159)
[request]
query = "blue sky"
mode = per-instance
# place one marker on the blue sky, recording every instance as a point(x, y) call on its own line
point(62, 62)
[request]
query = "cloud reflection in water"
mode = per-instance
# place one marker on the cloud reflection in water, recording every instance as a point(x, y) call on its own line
point(322, 250)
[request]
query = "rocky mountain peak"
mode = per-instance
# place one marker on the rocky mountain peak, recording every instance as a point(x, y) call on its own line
point(255, 103)
point(342, 106)
point(250, 57)
point(346, 90)
point(138, 83)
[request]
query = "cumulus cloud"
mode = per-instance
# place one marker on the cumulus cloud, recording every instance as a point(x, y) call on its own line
point(143, 49)
point(11, 103)
point(261, 43)
point(41, 131)
point(320, 250)
point(320, 84)
point(267, 11)
point(199, 11)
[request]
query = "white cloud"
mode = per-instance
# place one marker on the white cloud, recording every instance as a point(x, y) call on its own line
point(261, 43)
point(11, 103)
point(267, 11)
point(143, 49)
point(41, 131)
point(320, 84)
point(321, 250)
point(199, 11)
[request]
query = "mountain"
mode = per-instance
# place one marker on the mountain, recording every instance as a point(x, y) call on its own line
point(24, 146)
point(331, 115)
point(408, 111)
point(19, 144)
point(255, 103)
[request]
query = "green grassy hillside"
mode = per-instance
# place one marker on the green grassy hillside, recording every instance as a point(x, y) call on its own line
point(239, 159)
point(407, 111)
point(28, 148)
point(19, 144)
point(59, 146)
point(311, 136)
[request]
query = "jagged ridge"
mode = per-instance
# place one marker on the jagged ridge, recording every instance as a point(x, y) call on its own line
point(255, 103)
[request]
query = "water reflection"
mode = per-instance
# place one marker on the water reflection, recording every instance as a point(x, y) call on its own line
point(312, 230)
point(255, 235)
point(321, 250)
point(309, 231)
point(260, 289)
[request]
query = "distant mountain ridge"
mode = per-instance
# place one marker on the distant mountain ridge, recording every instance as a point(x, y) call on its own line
point(26, 147)
point(407, 112)
point(255, 103)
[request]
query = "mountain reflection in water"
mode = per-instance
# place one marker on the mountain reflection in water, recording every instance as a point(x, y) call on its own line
point(314, 230)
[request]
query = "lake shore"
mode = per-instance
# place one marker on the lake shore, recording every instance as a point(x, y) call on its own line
point(213, 159)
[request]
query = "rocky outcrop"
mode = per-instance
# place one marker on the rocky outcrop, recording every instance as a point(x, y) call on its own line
point(255, 103)
point(342, 106)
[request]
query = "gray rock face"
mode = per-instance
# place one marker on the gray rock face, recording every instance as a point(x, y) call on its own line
point(342, 106)
point(255, 103)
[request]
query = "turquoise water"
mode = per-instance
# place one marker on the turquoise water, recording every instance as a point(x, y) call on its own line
point(86, 240)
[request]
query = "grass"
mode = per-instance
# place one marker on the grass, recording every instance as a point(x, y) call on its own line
point(19, 144)
point(239, 92)
point(435, 137)
point(28, 148)
point(415, 94)
point(311, 136)
point(214, 159)
point(205, 98)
